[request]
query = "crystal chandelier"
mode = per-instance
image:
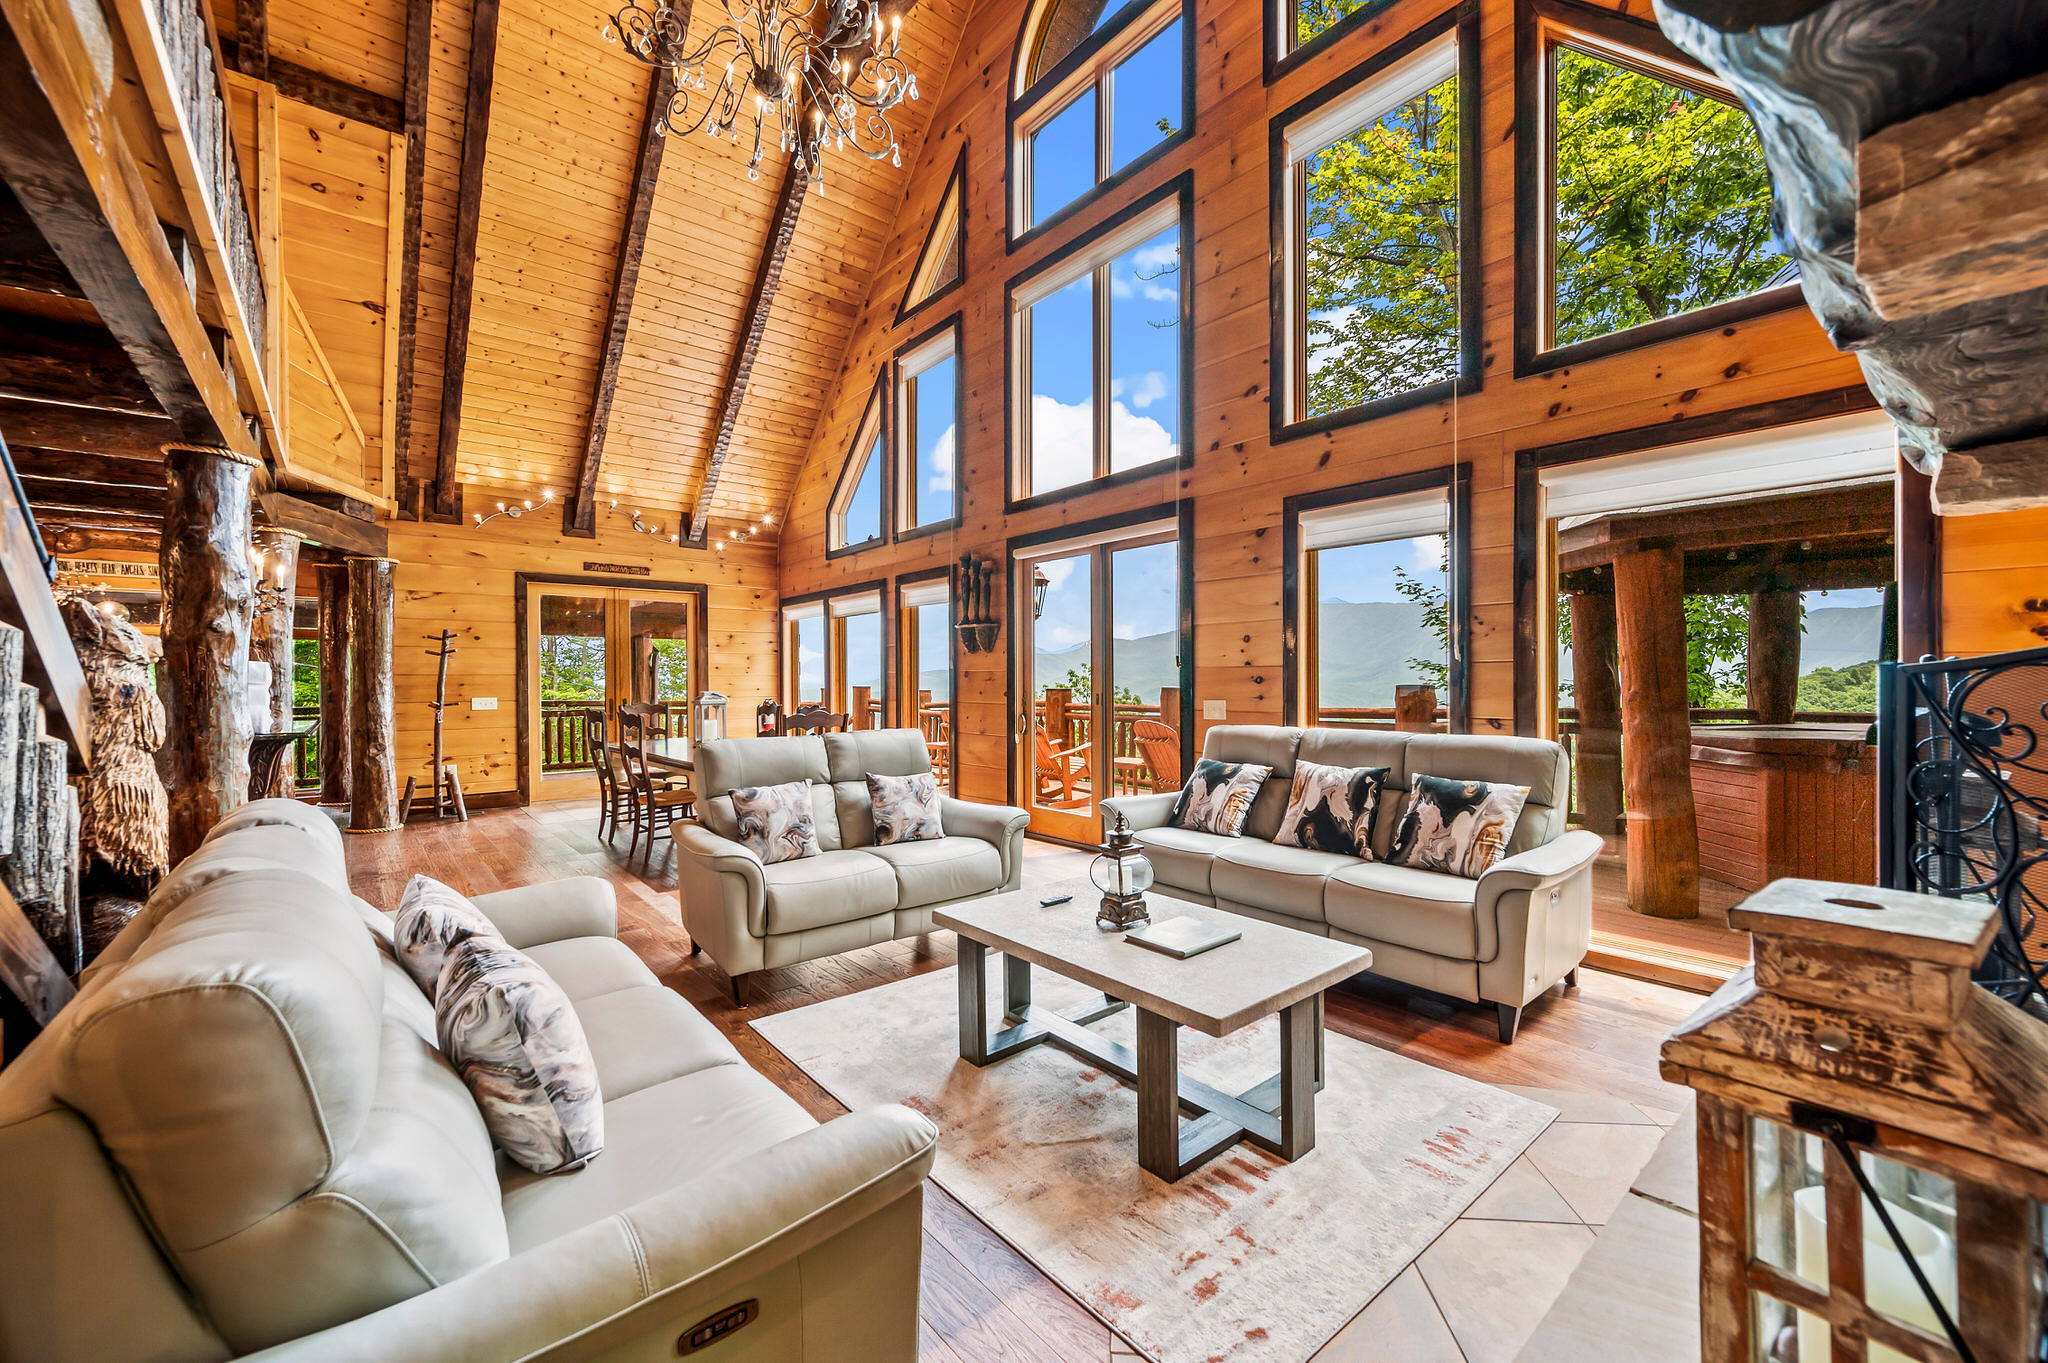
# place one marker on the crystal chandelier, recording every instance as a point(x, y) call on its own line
point(823, 80)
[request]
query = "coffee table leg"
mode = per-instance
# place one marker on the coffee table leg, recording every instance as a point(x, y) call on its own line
point(1300, 1063)
point(1158, 1095)
point(972, 974)
point(1321, 1023)
point(1016, 987)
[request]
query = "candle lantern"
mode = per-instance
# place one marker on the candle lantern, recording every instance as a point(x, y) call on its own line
point(707, 721)
point(1873, 1137)
point(1123, 875)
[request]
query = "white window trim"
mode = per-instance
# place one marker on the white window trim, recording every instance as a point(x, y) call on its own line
point(866, 603)
point(917, 595)
point(1315, 132)
point(917, 363)
point(809, 610)
point(1078, 543)
point(861, 453)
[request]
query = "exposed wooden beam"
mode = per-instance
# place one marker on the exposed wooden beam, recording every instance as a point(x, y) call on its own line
point(476, 133)
point(2004, 477)
point(85, 430)
point(97, 469)
point(62, 494)
point(252, 38)
point(86, 539)
point(419, 51)
point(767, 279)
point(46, 361)
point(579, 511)
point(322, 91)
point(26, 260)
point(323, 526)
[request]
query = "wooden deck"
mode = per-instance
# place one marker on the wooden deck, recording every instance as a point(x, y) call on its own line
point(1695, 953)
point(982, 1301)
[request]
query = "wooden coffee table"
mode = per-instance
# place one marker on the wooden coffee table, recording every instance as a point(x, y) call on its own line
point(1269, 970)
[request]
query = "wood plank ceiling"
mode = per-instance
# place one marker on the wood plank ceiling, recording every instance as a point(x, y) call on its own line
point(566, 119)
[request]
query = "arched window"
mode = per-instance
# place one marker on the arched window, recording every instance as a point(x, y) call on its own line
point(1100, 89)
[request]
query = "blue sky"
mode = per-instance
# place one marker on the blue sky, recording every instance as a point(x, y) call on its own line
point(933, 483)
point(1145, 591)
point(1145, 89)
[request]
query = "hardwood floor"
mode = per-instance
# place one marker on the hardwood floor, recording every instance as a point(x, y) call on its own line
point(982, 1301)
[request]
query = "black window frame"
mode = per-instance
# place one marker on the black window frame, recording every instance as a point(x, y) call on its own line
point(874, 417)
point(903, 457)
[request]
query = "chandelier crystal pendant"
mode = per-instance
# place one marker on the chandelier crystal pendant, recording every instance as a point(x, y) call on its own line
point(822, 79)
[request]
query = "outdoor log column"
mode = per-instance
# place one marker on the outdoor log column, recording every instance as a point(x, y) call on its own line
point(209, 598)
point(1597, 692)
point(373, 719)
point(270, 634)
point(335, 656)
point(1774, 655)
point(1656, 728)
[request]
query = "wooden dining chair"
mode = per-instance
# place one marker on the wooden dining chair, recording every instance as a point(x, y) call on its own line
point(656, 804)
point(1059, 769)
point(1159, 745)
point(813, 719)
point(615, 796)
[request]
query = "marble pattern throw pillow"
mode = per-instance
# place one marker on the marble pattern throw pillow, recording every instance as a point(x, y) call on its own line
point(1331, 809)
point(513, 1036)
point(1456, 826)
point(432, 918)
point(775, 821)
point(1218, 797)
point(906, 808)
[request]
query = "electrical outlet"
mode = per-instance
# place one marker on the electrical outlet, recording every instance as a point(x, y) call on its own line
point(1215, 709)
point(483, 702)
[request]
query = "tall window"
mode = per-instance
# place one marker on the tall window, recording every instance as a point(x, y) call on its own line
point(1378, 305)
point(927, 431)
point(924, 634)
point(856, 517)
point(804, 633)
point(1656, 200)
point(1103, 116)
point(860, 688)
point(1097, 343)
point(1303, 21)
point(1374, 606)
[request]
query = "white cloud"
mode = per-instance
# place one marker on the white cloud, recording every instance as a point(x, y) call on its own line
point(1062, 443)
point(1429, 555)
point(810, 666)
point(942, 463)
point(1057, 638)
point(1137, 440)
point(1149, 388)
point(1057, 571)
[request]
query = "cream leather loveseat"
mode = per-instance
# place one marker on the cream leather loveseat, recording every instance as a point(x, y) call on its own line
point(852, 894)
point(1503, 938)
point(240, 1139)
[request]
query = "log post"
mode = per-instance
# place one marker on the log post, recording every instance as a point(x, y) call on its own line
point(209, 599)
point(1597, 691)
point(1774, 655)
point(1169, 707)
point(1415, 708)
point(270, 633)
point(862, 698)
point(1656, 726)
point(373, 718)
point(335, 657)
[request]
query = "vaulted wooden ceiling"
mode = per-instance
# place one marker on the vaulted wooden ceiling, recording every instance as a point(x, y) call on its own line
point(567, 117)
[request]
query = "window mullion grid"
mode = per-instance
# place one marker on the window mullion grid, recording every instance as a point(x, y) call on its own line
point(1105, 121)
point(1546, 201)
point(1297, 378)
point(1026, 476)
point(906, 457)
point(1102, 368)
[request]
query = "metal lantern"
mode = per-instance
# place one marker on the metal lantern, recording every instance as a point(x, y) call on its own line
point(1039, 584)
point(1873, 1137)
point(1123, 875)
point(707, 717)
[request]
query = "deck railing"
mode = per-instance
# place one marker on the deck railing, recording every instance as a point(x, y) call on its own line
point(1371, 717)
point(306, 756)
point(563, 746)
point(1069, 723)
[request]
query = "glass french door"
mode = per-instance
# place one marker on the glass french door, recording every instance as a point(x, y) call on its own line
point(1101, 658)
point(600, 648)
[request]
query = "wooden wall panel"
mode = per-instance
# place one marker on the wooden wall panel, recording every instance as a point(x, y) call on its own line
point(1240, 478)
point(1994, 579)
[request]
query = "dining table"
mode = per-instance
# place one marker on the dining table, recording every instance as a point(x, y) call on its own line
point(672, 754)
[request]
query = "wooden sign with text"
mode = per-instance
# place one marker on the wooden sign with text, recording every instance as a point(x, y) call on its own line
point(628, 569)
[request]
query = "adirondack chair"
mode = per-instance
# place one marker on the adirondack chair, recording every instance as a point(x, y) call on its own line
point(1159, 744)
point(1060, 770)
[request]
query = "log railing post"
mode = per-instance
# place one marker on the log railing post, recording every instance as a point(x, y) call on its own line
point(270, 634)
point(1415, 708)
point(336, 655)
point(373, 720)
point(1774, 655)
point(1169, 707)
point(1597, 691)
point(209, 598)
point(1663, 830)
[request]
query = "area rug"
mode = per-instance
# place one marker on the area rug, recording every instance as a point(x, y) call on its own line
point(1249, 1259)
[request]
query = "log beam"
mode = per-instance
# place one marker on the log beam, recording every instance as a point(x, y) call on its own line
point(789, 202)
point(373, 720)
point(252, 38)
point(419, 51)
point(579, 510)
point(323, 525)
point(34, 462)
point(87, 539)
point(323, 91)
point(1990, 478)
point(336, 653)
point(1774, 630)
point(84, 430)
point(1596, 691)
point(476, 133)
point(270, 635)
point(64, 362)
point(58, 494)
point(26, 260)
point(1663, 828)
point(209, 595)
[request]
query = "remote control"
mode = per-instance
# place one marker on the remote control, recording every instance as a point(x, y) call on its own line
point(1055, 899)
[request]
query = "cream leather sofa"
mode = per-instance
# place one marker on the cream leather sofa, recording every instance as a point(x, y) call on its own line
point(1503, 938)
point(752, 917)
point(240, 1140)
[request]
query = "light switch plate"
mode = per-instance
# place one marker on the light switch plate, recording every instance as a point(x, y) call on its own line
point(483, 702)
point(1215, 709)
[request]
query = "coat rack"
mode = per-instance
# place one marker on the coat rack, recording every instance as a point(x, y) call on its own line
point(977, 625)
point(447, 786)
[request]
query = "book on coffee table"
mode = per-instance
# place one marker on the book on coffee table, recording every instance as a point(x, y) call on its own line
point(1182, 937)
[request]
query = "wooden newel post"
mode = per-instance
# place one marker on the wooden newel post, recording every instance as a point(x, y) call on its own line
point(336, 656)
point(1656, 726)
point(862, 697)
point(270, 633)
point(373, 710)
point(1774, 655)
point(209, 598)
point(1597, 691)
point(1169, 707)
point(1415, 708)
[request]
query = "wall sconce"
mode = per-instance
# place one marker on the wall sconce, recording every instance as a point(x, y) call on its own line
point(514, 512)
point(976, 624)
point(646, 529)
point(742, 536)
